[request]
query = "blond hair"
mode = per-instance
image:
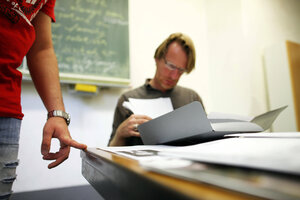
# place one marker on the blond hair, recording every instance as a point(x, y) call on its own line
point(185, 42)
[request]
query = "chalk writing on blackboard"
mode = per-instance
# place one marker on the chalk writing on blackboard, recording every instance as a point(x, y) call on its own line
point(91, 42)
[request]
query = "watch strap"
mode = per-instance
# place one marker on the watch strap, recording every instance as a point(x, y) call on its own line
point(60, 113)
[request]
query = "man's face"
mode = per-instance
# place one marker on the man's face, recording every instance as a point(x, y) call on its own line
point(170, 68)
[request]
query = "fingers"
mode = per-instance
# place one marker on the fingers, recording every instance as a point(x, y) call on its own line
point(77, 145)
point(140, 121)
point(128, 128)
point(63, 152)
point(135, 127)
point(46, 142)
point(145, 117)
point(59, 156)
point(135, 120)
point(133, 132)
point(54, 129)
point(66, 140)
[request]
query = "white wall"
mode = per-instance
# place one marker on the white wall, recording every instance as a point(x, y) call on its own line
point(238, 32)
point(229, 37)
point(153, 21)
point(277, 68)
point(91, 119)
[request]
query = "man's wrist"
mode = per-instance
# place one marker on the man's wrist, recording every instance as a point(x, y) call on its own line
point(60, 113)
point(117, 141)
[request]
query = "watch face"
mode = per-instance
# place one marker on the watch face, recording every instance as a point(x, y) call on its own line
point(68, 119)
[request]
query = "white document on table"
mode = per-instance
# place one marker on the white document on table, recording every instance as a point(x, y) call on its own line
point(276, 154)
point(147, 154)
point(138, 152)
point(295, 135)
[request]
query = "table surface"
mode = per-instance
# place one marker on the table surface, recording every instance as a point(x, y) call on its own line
point(117, 177)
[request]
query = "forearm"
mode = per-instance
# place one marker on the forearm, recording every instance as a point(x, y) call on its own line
point(44, 72)
point(43, 66)
point(119, 117)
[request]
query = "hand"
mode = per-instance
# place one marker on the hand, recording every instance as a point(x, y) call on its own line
point(128, 128)
point(56, 127)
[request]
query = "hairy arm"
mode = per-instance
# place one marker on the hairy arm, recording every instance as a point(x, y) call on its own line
point(43, 68)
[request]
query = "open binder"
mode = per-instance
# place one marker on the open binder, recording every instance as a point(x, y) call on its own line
point(189, 125)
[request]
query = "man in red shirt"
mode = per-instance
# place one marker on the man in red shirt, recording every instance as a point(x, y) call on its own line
point(25, 30)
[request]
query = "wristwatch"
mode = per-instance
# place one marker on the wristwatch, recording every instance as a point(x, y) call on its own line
point(60, 113)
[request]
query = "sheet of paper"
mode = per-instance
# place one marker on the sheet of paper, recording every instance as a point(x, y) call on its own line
point(147, 154)
point(259, 184)
point(138, 152)
point(150, 107)
point(266, 120)
point(267, 135)
point(225, 116)
point(277, 154)
point(236, 127)
point(235, 123)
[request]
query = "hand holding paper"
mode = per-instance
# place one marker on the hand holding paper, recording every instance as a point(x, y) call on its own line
point(128, 128)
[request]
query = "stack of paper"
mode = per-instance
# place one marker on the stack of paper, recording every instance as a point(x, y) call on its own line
point(264, 152)
point(269, 153)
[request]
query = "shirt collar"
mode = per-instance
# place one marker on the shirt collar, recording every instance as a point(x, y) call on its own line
point(149, 87)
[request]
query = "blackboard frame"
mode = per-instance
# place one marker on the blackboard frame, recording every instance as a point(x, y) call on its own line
point(78, 78)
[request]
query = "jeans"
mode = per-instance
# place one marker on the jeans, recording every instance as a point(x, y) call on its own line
point(9, 146)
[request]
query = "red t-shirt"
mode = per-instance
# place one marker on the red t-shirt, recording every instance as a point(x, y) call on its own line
point(16, 37)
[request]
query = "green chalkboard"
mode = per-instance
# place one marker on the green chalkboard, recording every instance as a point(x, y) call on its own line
point(91, 41)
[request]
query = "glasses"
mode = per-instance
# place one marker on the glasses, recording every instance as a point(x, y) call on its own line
point(173, 67)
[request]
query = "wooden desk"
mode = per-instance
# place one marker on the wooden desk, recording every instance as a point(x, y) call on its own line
point(117, 177)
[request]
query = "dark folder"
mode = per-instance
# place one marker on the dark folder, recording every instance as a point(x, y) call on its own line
point(189, 125)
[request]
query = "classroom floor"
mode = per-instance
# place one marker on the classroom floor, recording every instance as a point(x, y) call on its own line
point(71, 193)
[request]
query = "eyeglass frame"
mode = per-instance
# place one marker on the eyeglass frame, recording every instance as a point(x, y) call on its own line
point(173, 67)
